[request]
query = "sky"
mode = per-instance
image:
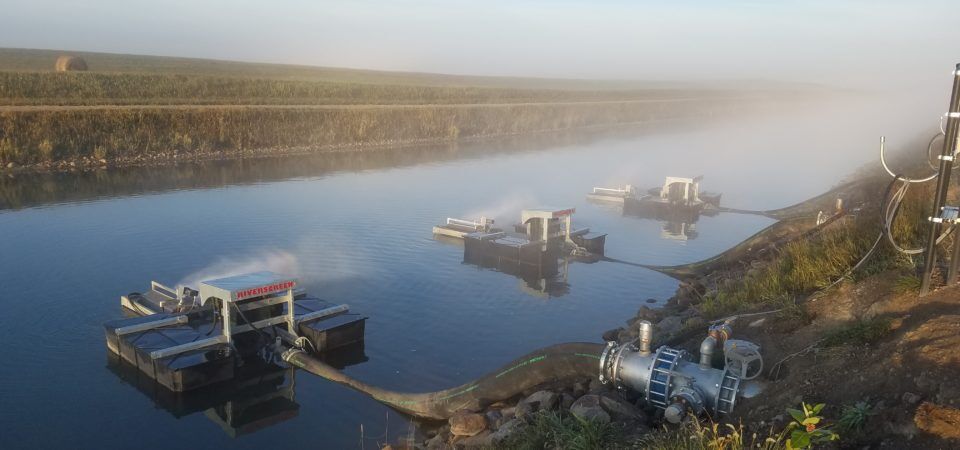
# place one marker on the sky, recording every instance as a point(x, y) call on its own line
point(848, 43)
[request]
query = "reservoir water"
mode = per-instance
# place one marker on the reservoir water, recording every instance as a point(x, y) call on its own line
point(357, 229)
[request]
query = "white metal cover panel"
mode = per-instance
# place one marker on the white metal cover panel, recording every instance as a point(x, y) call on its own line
point(240, 287)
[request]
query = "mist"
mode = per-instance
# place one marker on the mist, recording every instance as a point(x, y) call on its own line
point(862, 44)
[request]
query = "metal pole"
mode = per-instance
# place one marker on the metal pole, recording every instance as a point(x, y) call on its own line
point(953, 128)
point(943, 184)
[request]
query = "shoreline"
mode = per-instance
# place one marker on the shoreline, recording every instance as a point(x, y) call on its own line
point(174, 157)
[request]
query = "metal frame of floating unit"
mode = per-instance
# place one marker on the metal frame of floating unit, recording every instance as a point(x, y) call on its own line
point(612, 195)
point(458, 228)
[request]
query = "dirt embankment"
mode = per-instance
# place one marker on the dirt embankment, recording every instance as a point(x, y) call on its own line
point(906, 374)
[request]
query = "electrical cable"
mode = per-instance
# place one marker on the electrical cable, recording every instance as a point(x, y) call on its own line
point(242, 316)
point(930, 151)
point(887, 168)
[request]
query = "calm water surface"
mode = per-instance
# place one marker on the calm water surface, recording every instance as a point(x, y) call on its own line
point(356, 232)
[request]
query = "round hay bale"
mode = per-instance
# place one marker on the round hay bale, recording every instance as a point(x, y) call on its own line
point(67, 63)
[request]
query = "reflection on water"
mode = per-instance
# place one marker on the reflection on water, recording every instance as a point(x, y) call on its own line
point(679, 231)
point(259, 396)
point(678, 225)
point(33, 189)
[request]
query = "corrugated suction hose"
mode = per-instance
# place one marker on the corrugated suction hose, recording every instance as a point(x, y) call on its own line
point(562, 362)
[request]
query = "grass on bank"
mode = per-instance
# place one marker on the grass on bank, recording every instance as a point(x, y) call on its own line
point(694, 436)
point(862, 332)
point(561, 430)
point(38, 136)
point(805, 266)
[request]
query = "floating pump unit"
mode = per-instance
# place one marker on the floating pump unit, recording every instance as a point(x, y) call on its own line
point(670, 380)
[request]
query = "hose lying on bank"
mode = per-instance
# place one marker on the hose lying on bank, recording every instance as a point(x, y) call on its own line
point(556, 363)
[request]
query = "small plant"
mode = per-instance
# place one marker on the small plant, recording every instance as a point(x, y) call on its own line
point(804, 431)
point(907, 284)
point(46, 150)
point(9, 152)
point(855, 417)
point(100, 152)
point(694, 436)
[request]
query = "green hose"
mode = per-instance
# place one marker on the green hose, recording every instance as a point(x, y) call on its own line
point(557, 363)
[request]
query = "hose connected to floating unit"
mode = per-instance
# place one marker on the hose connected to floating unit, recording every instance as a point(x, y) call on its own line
point(556, 363)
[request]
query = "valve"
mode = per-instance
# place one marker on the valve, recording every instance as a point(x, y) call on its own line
point(743, 359)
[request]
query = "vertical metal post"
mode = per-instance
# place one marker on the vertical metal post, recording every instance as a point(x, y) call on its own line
point(291, 315)
point(227, 319)
point(943, 184)
point(953, 128)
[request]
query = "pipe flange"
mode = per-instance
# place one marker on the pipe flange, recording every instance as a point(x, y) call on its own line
point(727, 392)
point(661, 373)
point(605, 361)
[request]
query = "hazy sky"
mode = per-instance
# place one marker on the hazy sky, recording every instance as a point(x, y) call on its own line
point(881, 42)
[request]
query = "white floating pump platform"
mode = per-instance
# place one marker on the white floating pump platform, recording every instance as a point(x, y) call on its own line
point(677, 193)
point(185, 338)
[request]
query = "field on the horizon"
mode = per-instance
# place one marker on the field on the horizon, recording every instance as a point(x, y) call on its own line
point(129, 107)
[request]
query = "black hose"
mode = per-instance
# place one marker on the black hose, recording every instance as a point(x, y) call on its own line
point(557, 363)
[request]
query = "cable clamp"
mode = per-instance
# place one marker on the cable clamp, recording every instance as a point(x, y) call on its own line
point(950, 214)
point(945, 157)
point(935, 219)
point(952, 115)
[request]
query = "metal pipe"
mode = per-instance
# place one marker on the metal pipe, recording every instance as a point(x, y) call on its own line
point(943, 184)
point(645, 336)
point(716, 336)
point(706, 351)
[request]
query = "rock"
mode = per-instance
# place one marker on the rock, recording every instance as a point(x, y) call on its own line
point(440, 441)
point(910, 398)
point(579, 388)
point(467, 424)
point(924, 381)
point(505, 431)
point(387, 447)
point(612, 335)
point(543, 400)
point(588, 408)
point(523, 409)
point(905, 429)
point(102, 161)
point(619, 410)
point(647, 313)
point(566, 400)
point(596, 386)
point(938, 420)
point(778, 421)
point(508, 412)
point(651, 300)
point(480, 440)
point(494, 419)
point(11, 165)
point(669, 326)
point(948, 393)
